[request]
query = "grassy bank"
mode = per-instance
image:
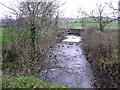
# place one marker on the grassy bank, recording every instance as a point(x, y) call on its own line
point(16, 81)
point(101, 49)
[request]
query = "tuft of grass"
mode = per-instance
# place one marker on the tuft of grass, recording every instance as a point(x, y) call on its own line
point(27, 82)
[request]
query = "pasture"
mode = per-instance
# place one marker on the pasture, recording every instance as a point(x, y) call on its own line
point(0, 36)
point(77, 24)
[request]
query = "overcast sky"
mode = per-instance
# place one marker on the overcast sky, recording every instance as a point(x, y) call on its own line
point(70, 8)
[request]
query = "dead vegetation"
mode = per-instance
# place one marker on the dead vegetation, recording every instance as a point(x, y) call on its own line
point(101, 49)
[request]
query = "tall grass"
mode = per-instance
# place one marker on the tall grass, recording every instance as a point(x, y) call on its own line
point(101, 49)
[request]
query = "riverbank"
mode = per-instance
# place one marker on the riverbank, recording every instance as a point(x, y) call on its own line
point(16, 81)
point(16, 52)
point(101, 49)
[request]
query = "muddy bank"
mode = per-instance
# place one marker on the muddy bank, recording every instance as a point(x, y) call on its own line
point(66, 64)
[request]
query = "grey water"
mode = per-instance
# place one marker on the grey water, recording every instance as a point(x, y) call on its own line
point(66, 64)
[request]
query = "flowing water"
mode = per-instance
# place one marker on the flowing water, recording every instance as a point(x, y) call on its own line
point(66, 64)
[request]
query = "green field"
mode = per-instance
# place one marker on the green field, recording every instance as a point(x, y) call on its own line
point(76, 23)
point(0, 37)
point(0, 59)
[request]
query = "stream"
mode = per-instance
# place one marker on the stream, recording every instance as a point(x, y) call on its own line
point(66, 64)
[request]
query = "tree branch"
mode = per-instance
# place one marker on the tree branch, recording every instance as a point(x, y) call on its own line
point(9, 8)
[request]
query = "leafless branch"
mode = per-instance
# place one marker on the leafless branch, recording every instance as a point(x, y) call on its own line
point(100, 17)
point(9, 8)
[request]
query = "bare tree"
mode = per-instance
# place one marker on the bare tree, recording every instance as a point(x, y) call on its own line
point(119, 12)
point(100, 16)
point(39, 19)
point(83, 19)
point(116, 11)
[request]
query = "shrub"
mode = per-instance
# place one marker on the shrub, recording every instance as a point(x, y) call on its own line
point(16, 50)
point(101, 49)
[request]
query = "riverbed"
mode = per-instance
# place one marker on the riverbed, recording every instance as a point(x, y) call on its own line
point(66, 64)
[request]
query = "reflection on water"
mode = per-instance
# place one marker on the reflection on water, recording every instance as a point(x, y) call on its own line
point(72, 39)
point(67, 65)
